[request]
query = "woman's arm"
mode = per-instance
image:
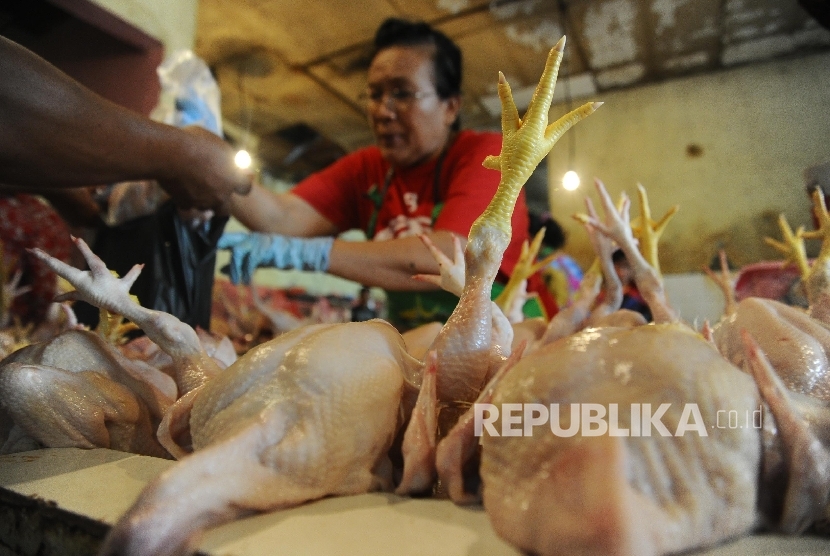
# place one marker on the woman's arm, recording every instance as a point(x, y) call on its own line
point(54, 132)
point(389, 264)
point(279, 213)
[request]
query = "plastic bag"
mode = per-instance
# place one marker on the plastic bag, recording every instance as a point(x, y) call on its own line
point(189, 93)
point(142, 226)
point(189, 96)
point(179, 263)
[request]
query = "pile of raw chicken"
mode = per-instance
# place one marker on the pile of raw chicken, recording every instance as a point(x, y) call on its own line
point(341, 409)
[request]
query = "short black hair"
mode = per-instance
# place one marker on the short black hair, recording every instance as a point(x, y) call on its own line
point(446, 59)
point(554, 233)
point(618, 257)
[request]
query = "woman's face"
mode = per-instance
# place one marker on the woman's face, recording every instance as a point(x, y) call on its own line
point(410, 122)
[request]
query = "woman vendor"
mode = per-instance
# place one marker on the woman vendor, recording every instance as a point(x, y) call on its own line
point(424, 175)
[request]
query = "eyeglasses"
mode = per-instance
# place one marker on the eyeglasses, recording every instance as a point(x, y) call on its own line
point(402, 99)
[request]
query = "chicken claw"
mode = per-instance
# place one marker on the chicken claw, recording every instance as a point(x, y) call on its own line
point(526, 142)
point(617, 227)
point(725, 283)
point(97, 286)
point(604, 247)
point(648, 231)
point(818, 278)
point(451, 278)
point(823, 218)
point(792, 247)
point(525, 267)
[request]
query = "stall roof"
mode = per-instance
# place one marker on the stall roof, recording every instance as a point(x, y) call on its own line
point(290, 72)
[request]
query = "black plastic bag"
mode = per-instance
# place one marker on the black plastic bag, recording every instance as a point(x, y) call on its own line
point(179, 263)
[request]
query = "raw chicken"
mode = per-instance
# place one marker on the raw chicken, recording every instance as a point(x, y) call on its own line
point(581, 494)
point(797, 342)
point(292, 420)
point(652, 467)
point(77, 390)
point(314, 412)
point(790, 347)
point(83, 389)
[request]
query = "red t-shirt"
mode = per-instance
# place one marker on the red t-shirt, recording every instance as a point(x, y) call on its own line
point(344, 193)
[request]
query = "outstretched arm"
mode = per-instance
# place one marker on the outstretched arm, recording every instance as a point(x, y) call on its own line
point(54, 132)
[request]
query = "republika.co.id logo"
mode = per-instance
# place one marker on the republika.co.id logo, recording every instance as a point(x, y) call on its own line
point(593, 419)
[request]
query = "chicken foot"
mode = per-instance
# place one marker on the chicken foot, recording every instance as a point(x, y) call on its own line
point(584, 311)
point(817, 281)
point(464, 344)
point(648, 231)
point(100, 288)
point(617, 227)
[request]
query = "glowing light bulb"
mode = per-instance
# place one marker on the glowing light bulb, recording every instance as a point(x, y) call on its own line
point(243, 159)
point(570, 180)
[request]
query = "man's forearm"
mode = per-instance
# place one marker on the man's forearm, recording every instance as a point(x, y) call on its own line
point(54, 132)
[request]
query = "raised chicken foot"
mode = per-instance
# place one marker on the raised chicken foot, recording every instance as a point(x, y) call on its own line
point(513, 296)
point(792, 247)
point(648, 231)
point(617, 226)
point(465, 353)
point(451, 272)
point(100, 288)
point(725, 282)
point(817, 280)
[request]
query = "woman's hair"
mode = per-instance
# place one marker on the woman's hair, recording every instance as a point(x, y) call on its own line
point(446, 56)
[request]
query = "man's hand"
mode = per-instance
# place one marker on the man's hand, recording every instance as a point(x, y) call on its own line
point(206, 175)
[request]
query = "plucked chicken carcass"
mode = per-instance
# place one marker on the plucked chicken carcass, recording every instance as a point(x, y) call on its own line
point(314, 412)
point(80, 388)
point(76, 390)
point(662, 465)
point(797, 342)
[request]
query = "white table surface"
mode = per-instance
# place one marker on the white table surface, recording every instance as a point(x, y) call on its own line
point(102, 485)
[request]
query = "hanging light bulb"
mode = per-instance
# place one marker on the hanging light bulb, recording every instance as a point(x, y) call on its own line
point(243, 159)
point(570, 181)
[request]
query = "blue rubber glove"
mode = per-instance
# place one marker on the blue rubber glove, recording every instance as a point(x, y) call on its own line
point(250, 251)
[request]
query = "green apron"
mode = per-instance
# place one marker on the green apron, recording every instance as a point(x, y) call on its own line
point(408, 310)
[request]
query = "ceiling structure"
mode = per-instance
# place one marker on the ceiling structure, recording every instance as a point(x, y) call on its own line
point(290, 72)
